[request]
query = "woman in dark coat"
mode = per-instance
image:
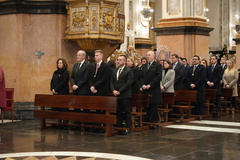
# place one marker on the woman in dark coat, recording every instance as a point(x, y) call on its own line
point(60, 78)
point(135, 70)
point(59, 83)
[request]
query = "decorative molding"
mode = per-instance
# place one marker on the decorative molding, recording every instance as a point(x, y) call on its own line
point(143, 43)
point(183, 30)
point(182, 21)
point(145, 46)
point(33, 7)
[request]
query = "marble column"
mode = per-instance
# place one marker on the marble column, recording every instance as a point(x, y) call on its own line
point(142, 23)
point(183, 28)
point(237, 41)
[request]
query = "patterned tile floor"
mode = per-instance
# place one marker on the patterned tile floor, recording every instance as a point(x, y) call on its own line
point(212, 139)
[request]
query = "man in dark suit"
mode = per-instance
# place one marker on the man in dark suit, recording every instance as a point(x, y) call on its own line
point(195, 79)
point(186, 67)
point(223, 63)
point(80, 78)
point(121, 82)
point(100, 76)
point(213, 78)
point(179, 72)
point(80, 75)
point(150, 84)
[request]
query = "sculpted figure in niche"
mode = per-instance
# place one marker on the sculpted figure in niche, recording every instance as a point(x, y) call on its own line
point(132, 53)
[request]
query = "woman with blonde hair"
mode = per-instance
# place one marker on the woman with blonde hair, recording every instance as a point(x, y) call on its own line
point(230, 78)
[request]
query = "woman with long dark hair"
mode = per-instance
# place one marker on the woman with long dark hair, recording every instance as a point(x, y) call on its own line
point(59, 83)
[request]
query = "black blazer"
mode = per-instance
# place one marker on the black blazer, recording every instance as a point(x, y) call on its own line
point(136, 85)
point(214, 76)
point(184, 83)
point(59, 81)
point(80, 77)
point(179, 74)
point(100, 80)
point(124, 82)
point(152, 76)
point(198, 78)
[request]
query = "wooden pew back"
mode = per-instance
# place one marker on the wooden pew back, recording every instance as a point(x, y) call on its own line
point(168, 98)
point(226, 92)
point(140, 100)
point(81, 103)
point(210, 94)
point(185, 95)
point(76, 102)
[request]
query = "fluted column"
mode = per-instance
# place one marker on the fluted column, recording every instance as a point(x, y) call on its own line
point(183, 28)
point(237, 41)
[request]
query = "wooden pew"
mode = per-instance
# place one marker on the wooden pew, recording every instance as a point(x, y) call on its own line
point(73, 102)
point(187, 97)
point(168, 99)
point(138, 103)
point(225, 95)
point(237, 109)
point(238, 101)
point(210, 95)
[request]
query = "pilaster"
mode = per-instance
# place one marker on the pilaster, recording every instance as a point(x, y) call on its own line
point(184, 29)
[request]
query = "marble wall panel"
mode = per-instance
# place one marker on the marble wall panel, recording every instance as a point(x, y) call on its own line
point(21, 36)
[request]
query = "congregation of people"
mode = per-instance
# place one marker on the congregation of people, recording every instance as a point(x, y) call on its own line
point(145, 75)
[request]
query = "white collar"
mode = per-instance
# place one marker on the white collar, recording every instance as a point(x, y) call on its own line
point(99, 63)
point(122, 67)
point(82, 62)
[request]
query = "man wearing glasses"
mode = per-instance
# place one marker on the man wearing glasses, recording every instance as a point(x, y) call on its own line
point(196, 77)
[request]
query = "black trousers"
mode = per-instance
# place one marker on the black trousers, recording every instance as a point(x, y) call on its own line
point(198, 109)
point(124, 112)
point(152, 113)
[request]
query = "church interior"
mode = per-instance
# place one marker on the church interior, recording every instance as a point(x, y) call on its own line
point(35, 33)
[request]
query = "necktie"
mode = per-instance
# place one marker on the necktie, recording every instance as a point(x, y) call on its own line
point(212, 68)
point(149, 64)
point(194, 67)
point(118, 74)
point(79, 65)
point(97, 67)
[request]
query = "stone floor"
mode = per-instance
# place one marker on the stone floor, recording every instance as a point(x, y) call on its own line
point(212, 139)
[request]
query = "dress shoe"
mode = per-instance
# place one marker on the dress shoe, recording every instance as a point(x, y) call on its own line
point(125, 132)
point(154, 127)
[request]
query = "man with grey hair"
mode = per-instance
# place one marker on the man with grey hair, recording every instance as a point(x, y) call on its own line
point(150, 84)
point(80, 75)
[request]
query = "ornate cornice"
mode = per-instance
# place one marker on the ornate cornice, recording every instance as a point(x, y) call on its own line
point(143, 43)
point(237, 40)
point(33, 7)
point(183, 30)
